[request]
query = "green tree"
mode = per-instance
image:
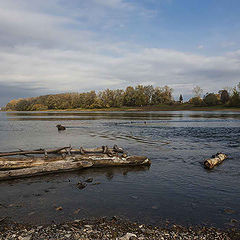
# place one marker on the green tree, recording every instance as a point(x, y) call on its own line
point(90, 99)
point(129, 97)
point(162, 95)
point(181, 98)
point(234, 100)
point(140, 98)
point(210, 99)
point(196, 101)
point(22, 105)
point(224, 96)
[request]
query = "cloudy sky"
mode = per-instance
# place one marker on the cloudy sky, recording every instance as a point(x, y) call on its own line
point(52, 46)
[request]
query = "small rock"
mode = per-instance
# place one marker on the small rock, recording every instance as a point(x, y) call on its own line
point(25, 238)
point(96, 183)
point(116, 218)
point(81, 185)
point(59, 208)
point(134, 197)
point(229, 211)
point(148, 231)
point(89, 180)
point(88, 226)
point(31, 213)
point(77, 211)
point(128, 236)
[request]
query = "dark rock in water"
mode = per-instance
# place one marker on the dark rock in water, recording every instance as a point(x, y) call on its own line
point(81, 185)
point(96, 183)
point(89, 180)
point(229, 211)
point(59, 208)
point(60, 127)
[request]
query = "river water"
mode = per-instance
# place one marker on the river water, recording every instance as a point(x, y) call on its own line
point(176, 187)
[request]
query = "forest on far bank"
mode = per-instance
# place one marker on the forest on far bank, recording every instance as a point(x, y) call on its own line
point(130, 97)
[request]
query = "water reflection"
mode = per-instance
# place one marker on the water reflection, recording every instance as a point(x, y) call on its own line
point(35, 199)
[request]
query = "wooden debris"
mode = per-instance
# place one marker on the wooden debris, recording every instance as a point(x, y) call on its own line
point(64, 159)
point(215, 160)
point(67, 150)
point(37, 151)
point(3, 219)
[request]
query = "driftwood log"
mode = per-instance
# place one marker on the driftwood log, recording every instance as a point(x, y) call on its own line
point(67, 150)
point(37, 151)
point(215, 160)
point(26, 166)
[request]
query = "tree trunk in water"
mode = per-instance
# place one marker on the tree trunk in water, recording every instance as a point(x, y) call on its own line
point(216, 160)
point(27, 167)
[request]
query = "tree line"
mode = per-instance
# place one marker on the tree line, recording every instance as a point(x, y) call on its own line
point(130, 97)
point(225, 97)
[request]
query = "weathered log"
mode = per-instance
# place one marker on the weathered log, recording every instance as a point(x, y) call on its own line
point(215, 160)
point(103, 149)
point(67, 150)
point(25, 167)
point(38, 151)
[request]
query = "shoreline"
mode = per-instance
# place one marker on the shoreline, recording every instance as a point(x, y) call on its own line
point(182, 107)
point(110, 228)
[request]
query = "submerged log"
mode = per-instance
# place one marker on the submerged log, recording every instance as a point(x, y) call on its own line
point(215, 160)
point(16, 168)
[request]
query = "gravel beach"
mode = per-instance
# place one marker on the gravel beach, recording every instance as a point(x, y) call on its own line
point(109, 228)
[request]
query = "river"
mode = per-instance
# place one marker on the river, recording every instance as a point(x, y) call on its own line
point(176, 187)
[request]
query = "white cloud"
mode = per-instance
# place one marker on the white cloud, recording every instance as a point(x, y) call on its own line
point(42, 50)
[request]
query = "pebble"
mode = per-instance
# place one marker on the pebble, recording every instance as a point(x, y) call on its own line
point(128, 236)
point(109, 229)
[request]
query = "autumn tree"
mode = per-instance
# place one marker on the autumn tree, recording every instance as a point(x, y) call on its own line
point(22, 105)
point(129, 97)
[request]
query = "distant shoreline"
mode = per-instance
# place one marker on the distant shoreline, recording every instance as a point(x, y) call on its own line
point(180, 107)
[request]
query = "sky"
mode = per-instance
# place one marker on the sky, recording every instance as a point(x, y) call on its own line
point(56, 46)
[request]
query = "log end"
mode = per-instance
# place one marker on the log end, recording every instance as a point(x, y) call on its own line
point(215, 160)
point(207, 164)
point(139, 160)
